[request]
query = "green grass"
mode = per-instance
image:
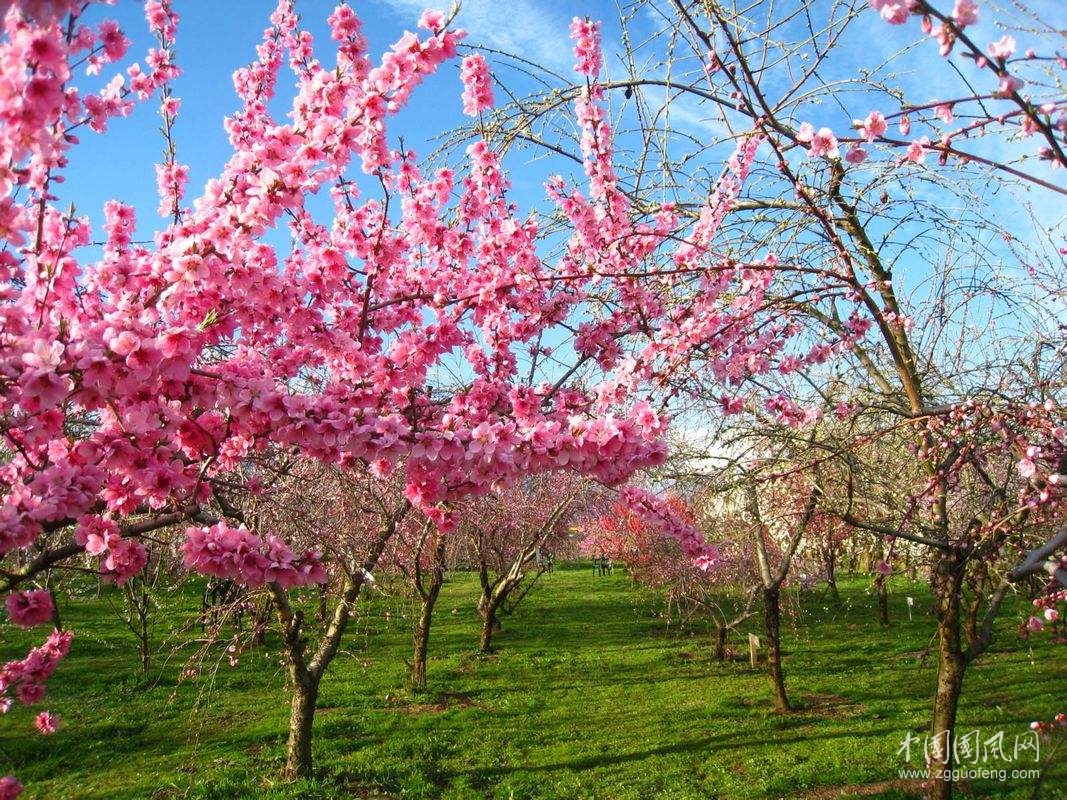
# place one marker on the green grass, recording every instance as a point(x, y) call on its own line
point(590, 695)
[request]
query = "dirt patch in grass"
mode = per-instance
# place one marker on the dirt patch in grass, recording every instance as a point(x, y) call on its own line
point(829, 705)
point(912, 655)
point(442, 702)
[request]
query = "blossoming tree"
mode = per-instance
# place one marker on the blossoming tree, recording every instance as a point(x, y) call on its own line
point(136, 375)
point(724, 594)
point(508, 535)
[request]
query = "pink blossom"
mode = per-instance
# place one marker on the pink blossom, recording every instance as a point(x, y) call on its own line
point(883, 568)
point(93, 533)
point(855, 154)
point(46, 722)
point(124, 342)
point(660, 514)
point(161, 18)
point(432, 20)
point(477, 85)
point(873, 126)
point(822, 142)
point(1004, 47)
point(30, 692)
point(1009, 84)
point(27, 676)
point(586, 36)
point(30, 608)
point(965, 12)
point(10, 788)
point(1052, 614)
point(1026, 467)
point(844, 410)
point(732, 405)
point(241, 555)
point(113, 40)
point(125, 558)
point(943, 111)
point(916, 151)
point(344, 24)
point(895, 12)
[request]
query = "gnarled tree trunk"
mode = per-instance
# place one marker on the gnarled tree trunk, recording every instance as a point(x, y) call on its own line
point(298, 763)
point(429, 592)
point(488, 607)
point(883, 600)
point(951, 666)
point(306, 673)
point(720, 641)
point(830, 560)
point(772, 614)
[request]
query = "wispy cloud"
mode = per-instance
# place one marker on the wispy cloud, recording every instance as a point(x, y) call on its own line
point(527, 28)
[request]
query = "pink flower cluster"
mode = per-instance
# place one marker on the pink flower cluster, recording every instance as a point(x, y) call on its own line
point(28, 609)
point(895, 12)
point(1030, 115)
point(820, 142)
point(1047, 607)
point(984, 433)
point(873, 127)
point(46, 723)
point(586, 36)
point(657, 512)
point(241, 555)
point(477, 85)
point(10, 788)
point(25, 679)
point(123, 557)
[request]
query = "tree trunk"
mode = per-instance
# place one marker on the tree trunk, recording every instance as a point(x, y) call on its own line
point(422, 635)
point(144, 640)
point(492, 601)
point(720, 642)
point(950, 671)
point(951, 666)
point(831, 579)
point(489, 625)
point(262, 620)
point(301, 716)
point(883, 601)
point(772, 628)
point(57, 623)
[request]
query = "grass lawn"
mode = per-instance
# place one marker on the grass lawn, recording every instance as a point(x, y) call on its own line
point(590, 695)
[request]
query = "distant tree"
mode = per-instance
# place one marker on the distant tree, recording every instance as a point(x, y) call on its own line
point(508, 534)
